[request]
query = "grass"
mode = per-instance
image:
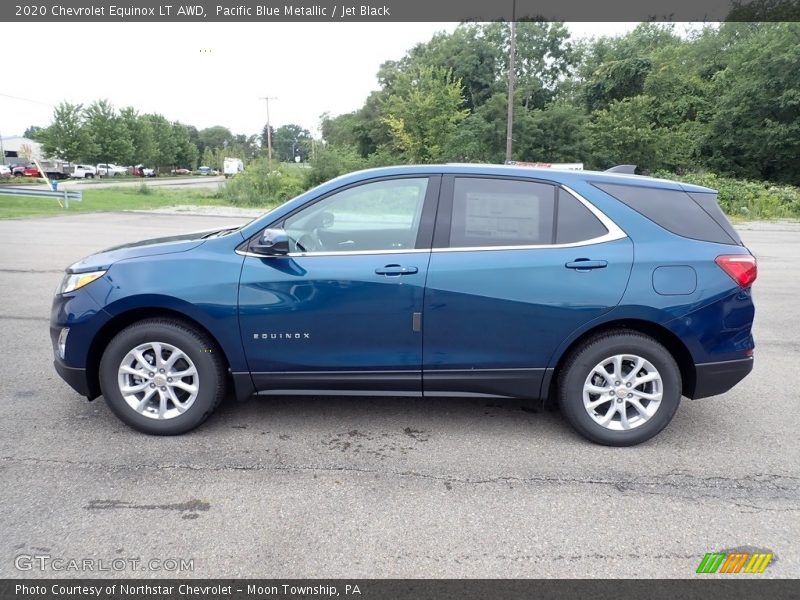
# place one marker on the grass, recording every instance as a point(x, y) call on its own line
point(108, 200)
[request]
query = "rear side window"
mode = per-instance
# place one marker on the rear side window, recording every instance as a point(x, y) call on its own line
point(501, 212)
point(675, 211)
point(575, 222)
point(708, 202)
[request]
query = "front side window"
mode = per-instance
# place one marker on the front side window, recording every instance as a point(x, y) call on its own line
point(375, 216)
point(501, 212)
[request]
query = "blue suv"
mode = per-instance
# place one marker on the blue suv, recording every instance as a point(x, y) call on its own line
point(613, 294)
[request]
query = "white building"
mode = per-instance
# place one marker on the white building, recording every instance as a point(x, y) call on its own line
point(18, 150)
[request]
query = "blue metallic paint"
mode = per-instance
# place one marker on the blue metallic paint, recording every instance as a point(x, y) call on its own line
point(355, 318)
point(492, 310)
point(511, 308)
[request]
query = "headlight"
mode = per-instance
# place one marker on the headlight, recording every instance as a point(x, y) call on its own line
point(75, 281)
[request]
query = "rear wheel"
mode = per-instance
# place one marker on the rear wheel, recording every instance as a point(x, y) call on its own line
point(620, 388)
point(162, 377)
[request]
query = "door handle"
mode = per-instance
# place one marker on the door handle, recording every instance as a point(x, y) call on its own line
point(585, 264)
point(395, 270)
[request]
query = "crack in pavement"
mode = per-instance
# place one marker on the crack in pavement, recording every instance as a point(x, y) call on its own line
point(17, 318)
point(32, 271)
point(757, 491)
point(188, 506)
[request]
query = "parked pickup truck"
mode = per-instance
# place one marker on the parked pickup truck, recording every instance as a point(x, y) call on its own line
point(52, 169)
point(110, 170)
point(82, 171)
point(56, 170)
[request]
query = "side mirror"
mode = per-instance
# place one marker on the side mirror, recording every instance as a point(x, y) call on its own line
point(273, 242)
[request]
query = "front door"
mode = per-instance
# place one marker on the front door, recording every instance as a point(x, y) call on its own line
point(342, 310)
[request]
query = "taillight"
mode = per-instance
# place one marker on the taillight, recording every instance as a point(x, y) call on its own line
point(741, 268)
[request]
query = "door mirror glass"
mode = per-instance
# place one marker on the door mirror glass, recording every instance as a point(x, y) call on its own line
point(273, 242)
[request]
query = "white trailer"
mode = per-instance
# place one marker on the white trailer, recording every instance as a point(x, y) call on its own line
point(232, 166)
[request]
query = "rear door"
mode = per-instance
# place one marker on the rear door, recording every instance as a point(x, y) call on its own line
point(517, 265)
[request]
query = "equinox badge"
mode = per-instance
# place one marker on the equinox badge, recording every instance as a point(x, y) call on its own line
point(282, 336)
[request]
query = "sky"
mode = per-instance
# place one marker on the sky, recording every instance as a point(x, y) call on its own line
point(206, 74)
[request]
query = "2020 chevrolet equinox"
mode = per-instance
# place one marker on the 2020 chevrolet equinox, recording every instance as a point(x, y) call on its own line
point(615, 294)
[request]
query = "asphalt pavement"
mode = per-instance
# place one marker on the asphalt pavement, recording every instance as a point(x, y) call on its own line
point(376, 487)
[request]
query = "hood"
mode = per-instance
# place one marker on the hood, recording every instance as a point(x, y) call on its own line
point(142, 248)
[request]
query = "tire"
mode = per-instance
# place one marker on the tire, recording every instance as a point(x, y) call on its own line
point(188, 401)
point(637, 412)
point(89, 176)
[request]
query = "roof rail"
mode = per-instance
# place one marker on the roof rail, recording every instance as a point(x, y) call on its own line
point(625, 169)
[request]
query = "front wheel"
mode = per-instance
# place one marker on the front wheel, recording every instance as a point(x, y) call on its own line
point(162, 377)
point(620, 388)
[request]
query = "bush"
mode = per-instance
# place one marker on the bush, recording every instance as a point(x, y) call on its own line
point(331, 161)
point(748, 199)
point(258, 186)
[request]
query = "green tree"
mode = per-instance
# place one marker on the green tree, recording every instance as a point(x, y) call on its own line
point(215, 138)
point(615, 68)
point(186, 154)
point(109, 138)
point(480, 137)
point(755, 129)
point(66, 138)
point(423, 111)
point(544, 58)
point(140, 132)
point(292, 140)
point(32, 132)
point(557, 133)
point(468, 52)
point(165, 146)
point(624, 134)
point(342, 130)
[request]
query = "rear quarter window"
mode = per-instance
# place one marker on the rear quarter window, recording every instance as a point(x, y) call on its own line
point(677, 211)
point(575, 222)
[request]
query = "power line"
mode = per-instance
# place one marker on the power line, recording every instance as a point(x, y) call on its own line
point(26, 99)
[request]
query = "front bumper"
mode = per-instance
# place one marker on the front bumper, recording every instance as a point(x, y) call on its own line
point(84, 318)
point(75, 377)
point(712, 379)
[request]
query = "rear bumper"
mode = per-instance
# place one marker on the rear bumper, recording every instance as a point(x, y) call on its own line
point(717, 378)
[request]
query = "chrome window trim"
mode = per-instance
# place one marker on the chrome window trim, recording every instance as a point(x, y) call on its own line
point(614, 233)
point(338, 253)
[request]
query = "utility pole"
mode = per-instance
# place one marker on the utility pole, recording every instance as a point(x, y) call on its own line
point(2, 151)
point(269, 132)
point(511, 75)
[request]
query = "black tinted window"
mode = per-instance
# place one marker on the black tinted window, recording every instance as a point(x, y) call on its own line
point(708, 202)
point(501, 212)
point(576, 223)
point(674, 210)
